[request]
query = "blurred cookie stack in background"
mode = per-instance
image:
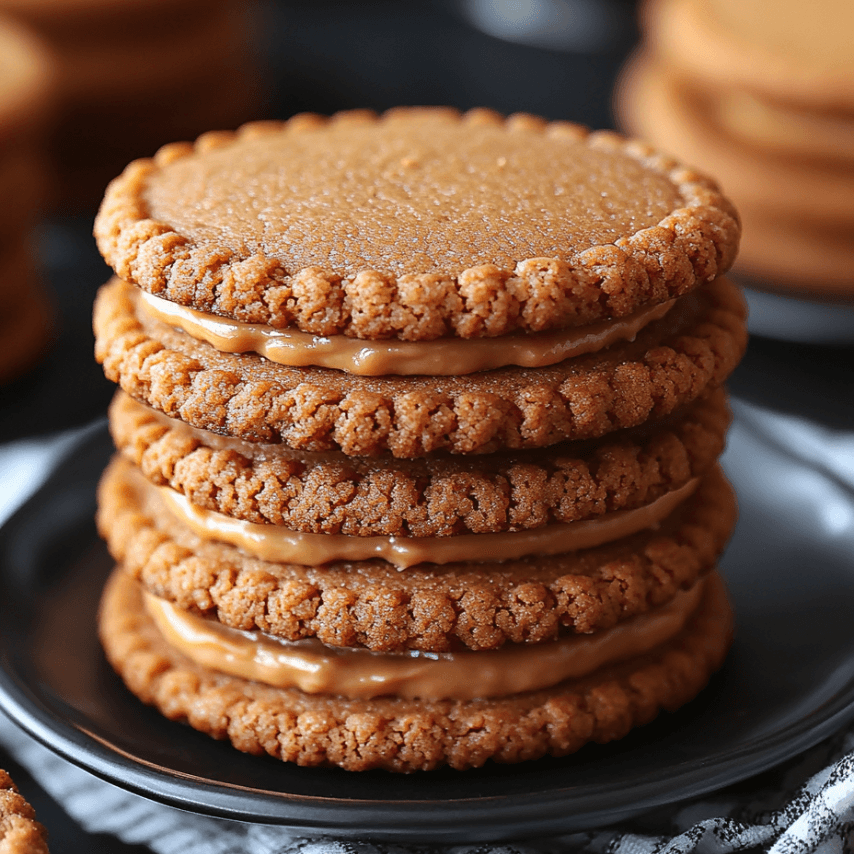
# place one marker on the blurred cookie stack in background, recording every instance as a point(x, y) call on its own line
point(26, 81)
point(764, 100)
point(134, 74)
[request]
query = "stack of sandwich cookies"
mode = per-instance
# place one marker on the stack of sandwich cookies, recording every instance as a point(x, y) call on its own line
point(26, 79)
point(135, 74)
point(20, 833)
point(418, 436)
point(765, 104)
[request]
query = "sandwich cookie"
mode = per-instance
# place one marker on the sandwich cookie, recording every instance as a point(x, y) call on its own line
point(401, 733)
point(480, 590)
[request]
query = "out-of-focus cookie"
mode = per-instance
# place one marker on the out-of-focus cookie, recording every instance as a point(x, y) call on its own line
point(768, 127)
point(26, 100)
point(654, 105)
point(26, 81)
point(788, 57)
point(133, 74)
point(764, 102)
point(20, 833)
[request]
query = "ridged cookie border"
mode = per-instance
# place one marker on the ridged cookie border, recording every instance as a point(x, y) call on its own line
point(415, 735)
point(365, 419)
point(465, 495)
point(394, 611)
point(695, 243)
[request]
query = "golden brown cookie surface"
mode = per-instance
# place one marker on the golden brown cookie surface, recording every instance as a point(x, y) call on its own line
point(20, 833)
point(416, 225)
point(406, 735)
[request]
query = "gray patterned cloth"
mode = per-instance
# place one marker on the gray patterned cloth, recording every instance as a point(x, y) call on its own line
point(804, 805)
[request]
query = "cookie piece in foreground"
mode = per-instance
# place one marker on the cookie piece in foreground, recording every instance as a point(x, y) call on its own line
point(402, 734)
point(20, 833)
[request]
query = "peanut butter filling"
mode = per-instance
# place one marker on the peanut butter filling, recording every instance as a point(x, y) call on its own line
point(439, 357)
point(315, 668)
point(274, 543)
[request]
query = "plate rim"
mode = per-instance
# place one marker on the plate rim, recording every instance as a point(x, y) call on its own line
point(544, 811)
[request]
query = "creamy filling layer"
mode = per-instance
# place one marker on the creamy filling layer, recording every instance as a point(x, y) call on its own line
point(315, 668)
point(274, 543)
point(440, 357)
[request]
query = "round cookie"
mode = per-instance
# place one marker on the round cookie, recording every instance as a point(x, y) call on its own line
point(20, 833)
point(409, 735)
point(332, 493)
point(479, 605)
point(653, 104)
point(794, 56)
point(310, 224)
point(670, 363)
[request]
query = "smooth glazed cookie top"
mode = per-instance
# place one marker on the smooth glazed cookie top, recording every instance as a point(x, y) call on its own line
point(419, 224)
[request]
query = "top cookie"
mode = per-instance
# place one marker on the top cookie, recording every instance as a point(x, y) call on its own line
point(419, 224)
point(798, 55)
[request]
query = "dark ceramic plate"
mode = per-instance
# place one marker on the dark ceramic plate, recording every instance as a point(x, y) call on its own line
point(788, 682)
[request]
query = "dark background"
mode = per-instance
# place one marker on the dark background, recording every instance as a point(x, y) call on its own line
point(323, 56)
point(329, 55)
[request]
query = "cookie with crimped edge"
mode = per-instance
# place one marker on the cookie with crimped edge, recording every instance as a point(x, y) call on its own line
point(429, 497)
point(20, 833)
point(408, 735)
point(671, 362)
point(789, 58)
point(475, 604)
point(523, 225)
